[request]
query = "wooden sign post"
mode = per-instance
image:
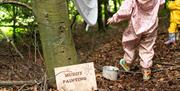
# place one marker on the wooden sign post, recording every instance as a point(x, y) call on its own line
point(79, 77)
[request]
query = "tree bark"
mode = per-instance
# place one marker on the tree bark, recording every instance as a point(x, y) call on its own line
point(53, 25)
point(115, 5)
point(100, 18)
point(105, 12)
point(119, 1)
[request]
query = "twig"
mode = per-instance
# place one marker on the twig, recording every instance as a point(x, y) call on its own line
point(166, 63)
point(28, 89)
point(10, 83)
point(40, 55)
point(8, 55)
point(74, 20)
point(45, 83)
point(132, 72)
point(35, 46)
point(22, 87)
point(12, 43)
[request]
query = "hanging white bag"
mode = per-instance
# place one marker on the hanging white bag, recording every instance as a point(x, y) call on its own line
point(88, 9)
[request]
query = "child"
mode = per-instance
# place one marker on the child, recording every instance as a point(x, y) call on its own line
point(141, 32)
point(174, 7)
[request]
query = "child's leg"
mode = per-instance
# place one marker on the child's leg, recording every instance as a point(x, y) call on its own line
point(177, 32)
point(129, 41)
point(146, 53)
point(172, 35)
point(129, 51)
point(172, 28)
point(129, 55)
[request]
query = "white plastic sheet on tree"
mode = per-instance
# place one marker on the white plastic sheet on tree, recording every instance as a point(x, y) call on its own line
point(88, 9)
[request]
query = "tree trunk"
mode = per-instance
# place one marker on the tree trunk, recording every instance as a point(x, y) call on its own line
point(119, 1)
point(55, 35)
point(115, 5)
point(100, 18)
point(105, 12)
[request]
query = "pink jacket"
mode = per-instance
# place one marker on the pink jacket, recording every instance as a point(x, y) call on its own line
point(142, 15)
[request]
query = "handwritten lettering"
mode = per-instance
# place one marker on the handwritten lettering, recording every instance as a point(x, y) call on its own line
point(73, 74)
point(74, 80)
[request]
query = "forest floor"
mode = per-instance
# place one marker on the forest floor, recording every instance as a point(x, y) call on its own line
point(104, 49)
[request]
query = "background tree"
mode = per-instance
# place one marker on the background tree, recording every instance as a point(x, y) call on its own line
point(100, 16)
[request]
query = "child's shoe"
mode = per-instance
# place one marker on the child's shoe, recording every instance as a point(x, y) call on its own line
point(171, 39)
point(146, 74)
point(124, 65)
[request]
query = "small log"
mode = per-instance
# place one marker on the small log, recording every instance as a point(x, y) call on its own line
point(17, 83)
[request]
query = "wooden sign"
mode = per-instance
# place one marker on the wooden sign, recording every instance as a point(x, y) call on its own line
point(79, 77)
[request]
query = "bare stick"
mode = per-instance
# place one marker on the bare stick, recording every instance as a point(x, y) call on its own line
point(12, 43)
point(10, 83)
point(45, 83)
point(22, 87)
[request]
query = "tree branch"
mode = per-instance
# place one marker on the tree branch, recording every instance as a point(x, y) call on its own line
point(15, 3)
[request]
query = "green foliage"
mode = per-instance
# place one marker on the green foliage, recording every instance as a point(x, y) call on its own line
point(16, 18)
point(73, 11)
point(164, 12)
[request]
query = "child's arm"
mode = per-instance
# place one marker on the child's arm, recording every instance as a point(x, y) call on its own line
point(123, 13)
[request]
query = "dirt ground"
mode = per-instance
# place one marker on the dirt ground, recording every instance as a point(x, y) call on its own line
point(104, 49)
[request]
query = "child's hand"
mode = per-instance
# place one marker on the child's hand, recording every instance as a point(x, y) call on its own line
point(110, 20)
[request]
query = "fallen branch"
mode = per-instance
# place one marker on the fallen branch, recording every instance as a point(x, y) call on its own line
point(11, 83)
